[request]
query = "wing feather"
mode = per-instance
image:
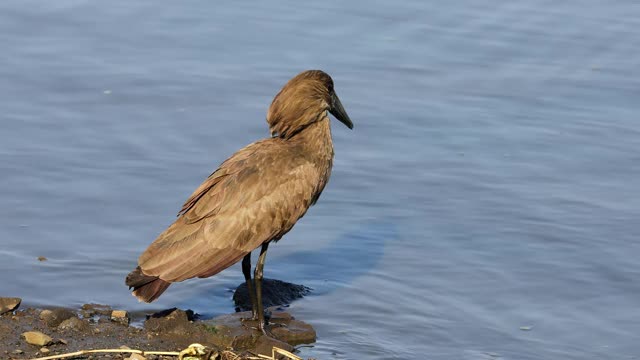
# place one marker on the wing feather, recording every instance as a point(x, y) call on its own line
point(244, 203)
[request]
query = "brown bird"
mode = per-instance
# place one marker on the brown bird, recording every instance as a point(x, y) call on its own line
point(253, 198)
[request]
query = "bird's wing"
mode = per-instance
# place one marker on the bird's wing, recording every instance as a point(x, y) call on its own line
point(255, 196)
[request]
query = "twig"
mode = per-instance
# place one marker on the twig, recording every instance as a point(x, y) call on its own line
point(277, 350)
point(85, 352)
point(193, 349)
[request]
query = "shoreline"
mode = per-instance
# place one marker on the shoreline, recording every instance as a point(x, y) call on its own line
point(33, 331)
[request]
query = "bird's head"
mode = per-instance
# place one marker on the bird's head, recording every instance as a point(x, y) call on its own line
point(304, 100)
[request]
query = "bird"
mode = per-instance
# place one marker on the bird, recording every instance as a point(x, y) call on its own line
point(254, 198)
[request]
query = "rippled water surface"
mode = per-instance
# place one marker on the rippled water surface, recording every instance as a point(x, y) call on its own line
point(491, 181)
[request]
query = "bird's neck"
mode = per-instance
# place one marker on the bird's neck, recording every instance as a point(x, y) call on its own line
point(314, 143)
point(316, 140)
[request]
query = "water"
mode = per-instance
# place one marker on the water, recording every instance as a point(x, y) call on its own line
point(491, 181)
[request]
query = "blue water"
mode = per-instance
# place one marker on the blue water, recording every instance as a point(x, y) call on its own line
point(491, 181)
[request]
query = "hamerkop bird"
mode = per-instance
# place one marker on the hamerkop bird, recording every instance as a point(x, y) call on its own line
point(253, 198)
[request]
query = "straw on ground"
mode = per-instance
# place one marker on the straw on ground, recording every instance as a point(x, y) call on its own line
point(193, 352)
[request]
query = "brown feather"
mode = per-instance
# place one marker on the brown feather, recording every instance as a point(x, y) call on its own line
point(255, 196)
point(145, 288)
point(254, 202)
point(151, 291)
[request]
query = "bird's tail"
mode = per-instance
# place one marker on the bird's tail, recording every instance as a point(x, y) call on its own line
point(146, 288)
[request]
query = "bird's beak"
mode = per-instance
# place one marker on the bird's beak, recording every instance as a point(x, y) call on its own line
point(338, 111)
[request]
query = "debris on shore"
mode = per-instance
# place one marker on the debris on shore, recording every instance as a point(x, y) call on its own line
point(50, 333)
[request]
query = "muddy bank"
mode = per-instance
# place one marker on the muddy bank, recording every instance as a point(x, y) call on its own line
point(30, 333)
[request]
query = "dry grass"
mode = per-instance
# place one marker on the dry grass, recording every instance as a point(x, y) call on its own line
point(193, 352)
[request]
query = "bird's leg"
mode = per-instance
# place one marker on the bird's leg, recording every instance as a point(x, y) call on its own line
point(246, 270)
point(257, 276)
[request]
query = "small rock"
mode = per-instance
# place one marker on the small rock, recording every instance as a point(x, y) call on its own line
point(171, 321)
point(89, 310)
point(62, 341)
point(37, 338)
point(293, 332)
point(265, 345)
point(42, 258)
point(9, 304)
point(44, 351)
point(54, 317)
point(17, 351)
point(74, 324)
point(120, 316)
point(232, 331)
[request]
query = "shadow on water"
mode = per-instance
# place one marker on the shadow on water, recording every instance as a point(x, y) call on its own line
point(327, 269)
point(348, 257)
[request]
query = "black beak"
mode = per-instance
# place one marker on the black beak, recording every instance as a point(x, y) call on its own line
point(337, 110)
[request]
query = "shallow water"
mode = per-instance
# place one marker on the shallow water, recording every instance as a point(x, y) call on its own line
point(491, 182)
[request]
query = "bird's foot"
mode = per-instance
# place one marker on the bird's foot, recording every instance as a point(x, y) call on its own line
point(266, 332)
point(249, 319)
point(254, 317)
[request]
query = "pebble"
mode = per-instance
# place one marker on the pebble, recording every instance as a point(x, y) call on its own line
point(37, 338)
point(44, 351)
point(17, 351)
point(53, 318)
point(89, 310)
point(120, 316)
point(73, 324)
point(9, 304)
